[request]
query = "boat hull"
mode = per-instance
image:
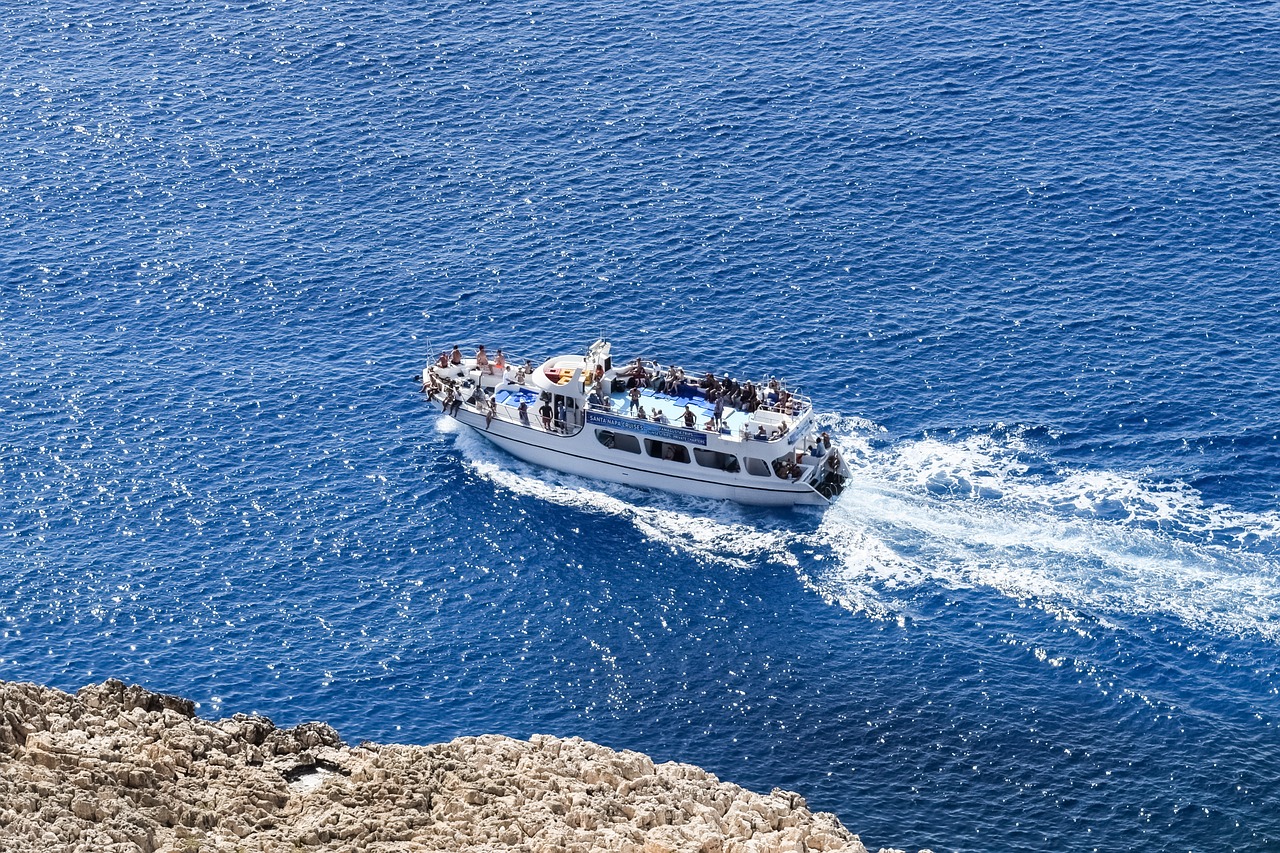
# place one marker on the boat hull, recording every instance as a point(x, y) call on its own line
point(575, 454)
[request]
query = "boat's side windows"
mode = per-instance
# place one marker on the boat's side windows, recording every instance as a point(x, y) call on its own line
point(757, 467)
point(668, 450)
point(618, 441)
point(715, 459)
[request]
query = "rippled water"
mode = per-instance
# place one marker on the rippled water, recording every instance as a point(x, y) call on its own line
point(1024, 255)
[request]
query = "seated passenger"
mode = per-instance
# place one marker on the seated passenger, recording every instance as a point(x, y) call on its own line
point(455, 357)
point(761, 435)
point(659, 417)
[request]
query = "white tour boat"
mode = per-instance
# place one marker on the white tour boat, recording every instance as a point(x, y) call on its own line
point(644, 424)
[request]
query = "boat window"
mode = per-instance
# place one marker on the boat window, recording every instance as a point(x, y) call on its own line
point(716, 459)
point(629, 443)
point(757, 467)
point(785, 467)
point(618, 441)
point(669, 450)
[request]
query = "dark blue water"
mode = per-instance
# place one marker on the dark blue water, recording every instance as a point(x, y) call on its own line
point(1026, 255)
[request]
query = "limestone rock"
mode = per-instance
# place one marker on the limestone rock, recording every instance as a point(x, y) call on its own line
point(117, 768)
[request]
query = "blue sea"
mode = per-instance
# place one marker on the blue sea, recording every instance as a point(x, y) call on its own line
point(1024, 256)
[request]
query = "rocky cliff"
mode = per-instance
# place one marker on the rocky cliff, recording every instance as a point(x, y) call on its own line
point(117, 768)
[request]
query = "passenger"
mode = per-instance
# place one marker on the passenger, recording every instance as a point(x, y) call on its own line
point(456, 357)
point(443, 360)
point(593, 400)
point(710, 425)
point(669, 452)
point(544, 411)
point(562, 419)
point(637, 372)
point(690, 419)
point(783, 428)
point(640, 414)
point(524, 412)
point(521, 373)
point(635, 401)
point(718, 414)
point(455, 406)
point(490, 411)
point(826, 441)
point(500, 363)
point(659, 417)
point(599, 374)
point(761, 435)
point(482, 360)
point(448, 399)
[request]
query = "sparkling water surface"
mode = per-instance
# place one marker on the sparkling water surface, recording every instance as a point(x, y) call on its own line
point(1023, 255)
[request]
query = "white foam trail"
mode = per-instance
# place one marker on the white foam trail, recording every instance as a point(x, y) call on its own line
point(971, 514)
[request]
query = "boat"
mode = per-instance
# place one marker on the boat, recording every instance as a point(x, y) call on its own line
point(644, 424)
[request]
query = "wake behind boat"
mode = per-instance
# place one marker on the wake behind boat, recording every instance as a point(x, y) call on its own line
point(644, 424)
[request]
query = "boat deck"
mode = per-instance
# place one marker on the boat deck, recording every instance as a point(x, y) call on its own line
point(733, 422)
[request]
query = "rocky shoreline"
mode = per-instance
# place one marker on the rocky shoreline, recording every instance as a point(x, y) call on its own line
point(117, 768)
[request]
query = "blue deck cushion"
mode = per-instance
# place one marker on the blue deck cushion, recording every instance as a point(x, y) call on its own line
point(527, 396)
